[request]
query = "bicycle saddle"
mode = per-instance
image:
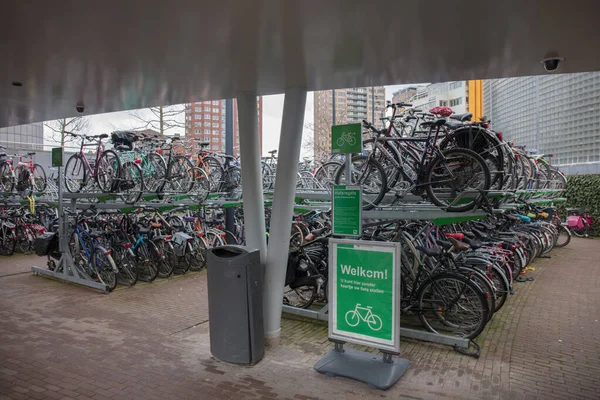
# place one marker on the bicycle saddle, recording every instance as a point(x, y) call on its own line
point(143, 230)
point(123, 147)
point(457, 236)
point(31, 154)
point(429, 251)
point(204, 144)
point(453, 124)
point(273, 152)
point(479, 234)
point(458, 246)
point(437, 122)
point(155, 225)
point(462, 117)
point(473, 243)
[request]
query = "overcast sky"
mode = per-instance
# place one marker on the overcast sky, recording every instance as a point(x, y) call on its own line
point(272, 112)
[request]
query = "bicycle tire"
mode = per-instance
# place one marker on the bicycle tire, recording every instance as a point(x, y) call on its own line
point(199, 253)
point(268, 179)
point(393, 172)
point(22, 244)
point(156, 171)
point(440, 161)
point(107, 171)
point(148, 259)
point(39, 178)
point(373, 193)
point(563, 230)
point(476, 297)
point(304, 295)
point(75, 183)
point(126, 264)
point(168, 258)
point(201, 188)
point(215, 172)
point(7, 180)
point(105, 271)
point(326, 173)
point(131, 182)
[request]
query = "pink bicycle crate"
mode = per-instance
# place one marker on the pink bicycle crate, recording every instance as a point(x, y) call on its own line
point(575, 222)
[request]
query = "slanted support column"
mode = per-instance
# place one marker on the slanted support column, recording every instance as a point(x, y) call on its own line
point(250, 153)
point(290, 142)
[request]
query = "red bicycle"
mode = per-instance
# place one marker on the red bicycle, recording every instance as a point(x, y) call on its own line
point(27, 177)
point(104, 170)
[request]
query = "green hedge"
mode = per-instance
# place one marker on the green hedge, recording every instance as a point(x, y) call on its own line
point(583, 191)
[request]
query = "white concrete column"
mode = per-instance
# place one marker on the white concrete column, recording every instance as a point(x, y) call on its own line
point(290, 142)
point(250, 153)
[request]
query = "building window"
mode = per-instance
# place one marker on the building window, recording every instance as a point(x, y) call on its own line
point(214, 132)
point(216, 102)
point(215, 110)
point(456, 102)
point(215, 117)
point(443, 102)
point(207, 131)
point(206, 116)
point(215, 140)
point(197, 131)
point(207, 109)
point(215, 125)
point(197, 124)
point(207, 124)
point(197, 109)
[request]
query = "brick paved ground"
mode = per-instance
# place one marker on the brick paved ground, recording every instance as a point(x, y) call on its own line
point(151, 342)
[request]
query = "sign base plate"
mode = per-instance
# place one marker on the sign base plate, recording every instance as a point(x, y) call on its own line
point(363, 367)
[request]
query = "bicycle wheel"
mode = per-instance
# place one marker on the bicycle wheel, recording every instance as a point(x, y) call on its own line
point(564, 236)
point(451, 304)
point(75, 174)
point(181, 175)
point(104, 266)
point(455, 178)
point(300, 297)
point(23, 244)
point(201, 185)
point(326, 173)
point(126, 264)
point(215, 172)
point(370, 175)
point(375, 322)
point(39, 178)
point(389, 158)
point(130, 182)
point(352, 318)
point(6, 177)
point(154, 172)
point(148, 259)
point(268, 178)
point(199, 252)
point(168, 258)
point(8, 241)
point(108, 171)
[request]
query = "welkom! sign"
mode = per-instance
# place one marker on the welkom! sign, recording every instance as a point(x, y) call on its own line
point(364, 304)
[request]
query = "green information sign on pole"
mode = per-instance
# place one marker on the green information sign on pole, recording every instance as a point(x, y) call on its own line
point(346, 139)
point(364, 306)
point(57, 157)
point(347, 207)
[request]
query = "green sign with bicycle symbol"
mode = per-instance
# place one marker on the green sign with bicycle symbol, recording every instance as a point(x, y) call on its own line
point(365, 288)
point(346, 139)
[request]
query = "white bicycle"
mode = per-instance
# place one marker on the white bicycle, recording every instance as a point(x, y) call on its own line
point(365, 314)
point(347, 137)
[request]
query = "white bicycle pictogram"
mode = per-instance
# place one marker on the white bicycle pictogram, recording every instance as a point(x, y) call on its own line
point(353, 317)
point(347, 137)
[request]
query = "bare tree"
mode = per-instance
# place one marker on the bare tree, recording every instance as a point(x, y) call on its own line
point(161, 118)
point(60, 127)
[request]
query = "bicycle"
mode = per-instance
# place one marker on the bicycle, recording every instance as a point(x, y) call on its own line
point(354, 317)
point(104, 170)
point(347, 137)
point(26, 178)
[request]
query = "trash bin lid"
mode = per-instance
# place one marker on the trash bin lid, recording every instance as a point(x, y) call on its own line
point(228, 251)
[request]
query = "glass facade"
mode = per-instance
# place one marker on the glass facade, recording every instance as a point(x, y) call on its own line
point(23, 137)
point(554, 114)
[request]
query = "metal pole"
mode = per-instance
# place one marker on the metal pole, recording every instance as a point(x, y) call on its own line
point(290, 142)
point(254, 208)
point(333, 107)
point(229, 212)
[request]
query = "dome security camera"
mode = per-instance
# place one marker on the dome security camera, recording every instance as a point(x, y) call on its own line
point(551, 63)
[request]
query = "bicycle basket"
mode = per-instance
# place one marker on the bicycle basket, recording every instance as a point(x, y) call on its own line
point(575, 222)
point(126, 138)
point(46, 243)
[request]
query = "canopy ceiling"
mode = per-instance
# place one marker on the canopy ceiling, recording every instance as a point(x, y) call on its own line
point(122, 54)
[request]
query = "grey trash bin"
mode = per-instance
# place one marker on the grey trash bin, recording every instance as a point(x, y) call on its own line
point(235, 308)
